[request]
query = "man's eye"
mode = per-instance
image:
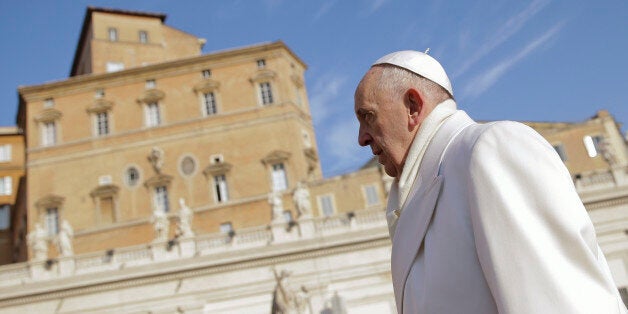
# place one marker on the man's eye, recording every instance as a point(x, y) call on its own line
point(369, 117)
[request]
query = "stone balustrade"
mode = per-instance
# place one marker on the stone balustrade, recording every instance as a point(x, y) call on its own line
point(200, 245)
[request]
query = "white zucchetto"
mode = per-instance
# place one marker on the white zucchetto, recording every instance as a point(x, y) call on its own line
point(419, 63)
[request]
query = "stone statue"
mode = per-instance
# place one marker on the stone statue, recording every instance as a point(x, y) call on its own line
point(274, 199)
point(160, 224)
point(285, 299)
point(606, 150)
point(38, 243)
point(64, 239)
point(156, 159)
point(301, 199)
point(185, 220)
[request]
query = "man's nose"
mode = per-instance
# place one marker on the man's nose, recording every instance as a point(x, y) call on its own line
point(364, 138)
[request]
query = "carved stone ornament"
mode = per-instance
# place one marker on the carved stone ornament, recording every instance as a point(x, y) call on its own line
point(206, 86)
point(48, 115)
point(100, 105)
point(104, 190)
point(217, 168)
point(263, 75)
point(49, 201)
point(151, 96)
point(158, 180)
point(276, 157)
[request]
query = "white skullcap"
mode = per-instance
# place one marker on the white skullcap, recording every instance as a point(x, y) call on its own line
point(419, 63)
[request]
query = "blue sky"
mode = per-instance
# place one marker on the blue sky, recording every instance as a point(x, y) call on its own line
point(537, 60)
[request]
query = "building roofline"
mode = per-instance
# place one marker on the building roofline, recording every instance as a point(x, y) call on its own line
point(9, 130)
point(168, 64)
point(88, 19)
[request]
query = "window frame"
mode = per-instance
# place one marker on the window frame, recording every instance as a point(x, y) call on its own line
point(266, 93)
point(323, 199)
point(5, 216)
point(207, 103)
point(161, 198)
point(152, 114)
point(143, 39)
point(51, 219)
point(220, 188)
point(6, 153)
point(279, 175)
point(49, 133)
point(112, 34)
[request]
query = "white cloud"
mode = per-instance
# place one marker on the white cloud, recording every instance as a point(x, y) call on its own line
point(341, 147)
point(504, 32)
point(324, 9)
point(324, 93)
point(485, 80)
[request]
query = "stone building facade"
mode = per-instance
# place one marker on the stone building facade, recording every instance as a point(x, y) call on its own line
point(160, 179)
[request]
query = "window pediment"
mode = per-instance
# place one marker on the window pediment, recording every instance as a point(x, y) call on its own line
point(50, 200)
point(206, 86)
point(105, 190)
point(99, 106)
point(217, 168)
point(48, 115)
point(150, 96)
point(275, 157)
point(263, 75)
point(158, 180)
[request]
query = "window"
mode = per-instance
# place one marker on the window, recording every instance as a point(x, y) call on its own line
point(5, 217)
point(52, 221)
point(593, 144)
point(49, 133)
point(132, 176)
point(209, 101)
point(153, 117)
point(221, 192)
point(206, 73)
point(114, 66)
point(49, 103)
point(143, 37)
point(326, 205)
point(188, 165)
point(102, 123)
point(371, 195)
point(5, 152)
point(6, 185)
point(280, 182)
point(113, 34)
point(560, 149)
point(161, 198)
point(266, 93)
point(261, 63)
point(226, 228)
point(150, 84)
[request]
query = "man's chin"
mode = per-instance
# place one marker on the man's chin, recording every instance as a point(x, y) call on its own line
point(391, 171)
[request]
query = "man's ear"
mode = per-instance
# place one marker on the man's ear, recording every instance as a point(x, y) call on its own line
point(414, 105)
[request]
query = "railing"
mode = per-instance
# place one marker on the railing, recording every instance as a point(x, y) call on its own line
point(257, 237)
point(594, 180)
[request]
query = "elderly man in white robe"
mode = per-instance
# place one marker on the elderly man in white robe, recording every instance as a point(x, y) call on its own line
point(484, 218)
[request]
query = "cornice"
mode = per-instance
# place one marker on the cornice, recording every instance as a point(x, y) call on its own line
point(187, 65)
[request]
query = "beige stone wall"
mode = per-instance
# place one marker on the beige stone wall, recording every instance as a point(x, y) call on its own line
point(164, 43)
point(244, 132)
point(348, 191)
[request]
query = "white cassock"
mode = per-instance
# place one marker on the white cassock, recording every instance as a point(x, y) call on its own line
point(493, 224)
